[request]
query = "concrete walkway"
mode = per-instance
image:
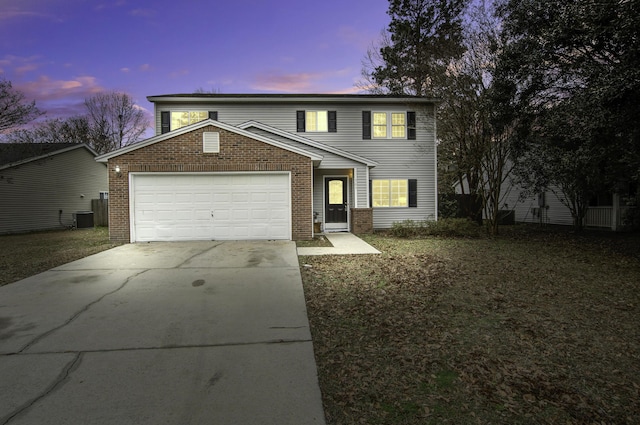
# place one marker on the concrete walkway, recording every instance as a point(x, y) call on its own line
point(343, 244)
point(161, 333)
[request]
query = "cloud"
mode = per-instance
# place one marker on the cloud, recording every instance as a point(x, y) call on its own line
point(125, 70)
point(14, 13)
point(288, 83)
point(359, 39)
point(20, 64)
point(307, 82)
point(46, 89)
point(145, 67)
point(60, 98)
point(179, 73)
point(143, 13)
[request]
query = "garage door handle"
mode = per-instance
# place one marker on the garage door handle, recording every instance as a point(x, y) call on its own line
point(212, 214)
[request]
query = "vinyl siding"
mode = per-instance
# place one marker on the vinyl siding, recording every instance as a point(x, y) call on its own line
point(398, 159)
point(33, 193)
point(525, 209)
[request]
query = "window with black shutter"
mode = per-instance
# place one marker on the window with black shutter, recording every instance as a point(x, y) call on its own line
point(333, 122)
point(366, 125)
point(411, 125)
point(165, 122)
point(413, 193)
point(300, 121)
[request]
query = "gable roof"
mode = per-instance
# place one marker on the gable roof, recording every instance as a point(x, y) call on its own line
point(304, 97)
point(309, 142)
point(199, 125)
point(14, 154)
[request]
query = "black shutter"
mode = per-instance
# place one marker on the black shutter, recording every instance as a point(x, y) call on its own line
point(370, 193)
point(165, 122)
point(413, 193)
point(333, 121)
point(411, 125)
point(213, 115)
point(300, 121)
point(366, 125)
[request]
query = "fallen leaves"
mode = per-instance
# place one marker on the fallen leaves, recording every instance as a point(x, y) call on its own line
point(515, 330)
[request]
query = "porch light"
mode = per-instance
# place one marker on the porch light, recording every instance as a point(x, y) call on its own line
point(117, 170)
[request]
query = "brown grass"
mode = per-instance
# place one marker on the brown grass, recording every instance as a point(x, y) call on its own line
point(533, 327)
point(28, 254)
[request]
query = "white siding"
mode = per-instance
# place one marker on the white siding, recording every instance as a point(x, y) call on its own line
point(33, 193)
point(398, 159)
point(528, 210)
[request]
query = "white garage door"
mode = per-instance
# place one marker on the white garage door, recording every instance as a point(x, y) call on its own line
point(179, 207)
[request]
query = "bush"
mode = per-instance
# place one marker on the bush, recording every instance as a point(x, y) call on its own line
point(457, 227)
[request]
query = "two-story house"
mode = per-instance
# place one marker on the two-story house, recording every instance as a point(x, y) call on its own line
point(265, 166)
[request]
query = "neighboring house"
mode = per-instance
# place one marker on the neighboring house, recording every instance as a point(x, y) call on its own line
point(43, 184)
point(606, 211)
point(260, 166)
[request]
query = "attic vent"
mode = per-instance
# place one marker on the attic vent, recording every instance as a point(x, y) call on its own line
point(210, 142)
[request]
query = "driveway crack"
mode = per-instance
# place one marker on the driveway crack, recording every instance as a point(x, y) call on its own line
point(198, 254)
point(77, 314)
point(60, 380)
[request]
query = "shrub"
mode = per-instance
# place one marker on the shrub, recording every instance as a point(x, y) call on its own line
point(456, 227)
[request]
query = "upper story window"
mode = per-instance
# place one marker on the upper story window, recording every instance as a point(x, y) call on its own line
point(173, 120)
point(389, 125)
point(316, 121)
point(183, 119)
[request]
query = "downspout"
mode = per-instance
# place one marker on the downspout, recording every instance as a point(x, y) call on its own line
point(435, 157)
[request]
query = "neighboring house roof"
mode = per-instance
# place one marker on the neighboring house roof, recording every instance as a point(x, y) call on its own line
point(309, 142)
point(265, 98)
point(201, 124)
point(14, 154)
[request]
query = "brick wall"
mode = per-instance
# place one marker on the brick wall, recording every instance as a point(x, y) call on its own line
point(183, 153)
point(361, 220)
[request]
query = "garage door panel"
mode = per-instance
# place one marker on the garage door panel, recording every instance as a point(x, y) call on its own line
point(210, 206)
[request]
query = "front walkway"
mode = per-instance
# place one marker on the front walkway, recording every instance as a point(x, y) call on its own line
point(343, 244)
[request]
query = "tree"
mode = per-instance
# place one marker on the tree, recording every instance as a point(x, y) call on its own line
point(424, 36)
point(114, 121)
point(14, 110)
point(569, 75)
point(70, 130)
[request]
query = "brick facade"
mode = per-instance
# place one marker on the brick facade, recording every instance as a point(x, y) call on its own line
point(362, 220)
point(183, 153)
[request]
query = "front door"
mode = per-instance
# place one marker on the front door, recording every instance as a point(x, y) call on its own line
point(335, 189)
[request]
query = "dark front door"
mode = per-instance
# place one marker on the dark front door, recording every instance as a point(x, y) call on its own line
point(335, 189)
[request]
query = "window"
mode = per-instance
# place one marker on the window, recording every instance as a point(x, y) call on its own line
point(388, 125)
point(390, 193)
point(316, 121)
point(183, 119)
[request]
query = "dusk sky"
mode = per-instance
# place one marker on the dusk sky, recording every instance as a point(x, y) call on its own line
point(59, 52)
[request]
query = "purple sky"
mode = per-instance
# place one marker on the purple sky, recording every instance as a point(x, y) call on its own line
point(60, 51)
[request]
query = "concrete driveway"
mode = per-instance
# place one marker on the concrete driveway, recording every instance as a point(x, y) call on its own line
point(161, 333)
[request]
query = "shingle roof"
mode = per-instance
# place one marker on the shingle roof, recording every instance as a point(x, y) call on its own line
point(18, 152)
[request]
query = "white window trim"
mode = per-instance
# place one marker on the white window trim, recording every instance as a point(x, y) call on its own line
point(389, 125)
point(306, 121)
point(389, 206)
point(190, 111)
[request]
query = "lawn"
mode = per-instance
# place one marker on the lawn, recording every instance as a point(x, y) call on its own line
point(28, 254)
point(535, 327)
